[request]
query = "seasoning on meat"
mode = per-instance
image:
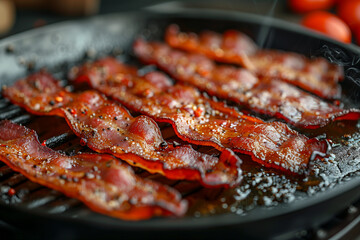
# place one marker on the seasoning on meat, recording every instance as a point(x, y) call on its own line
point(99, 180)
point(107, 127)
point(198, 119)
point(315, 75)
point(263, 95)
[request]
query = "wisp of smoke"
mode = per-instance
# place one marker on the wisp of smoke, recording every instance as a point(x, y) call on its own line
point(265, 28)
point(339, 57)
point(353, 74)
point(350, 63)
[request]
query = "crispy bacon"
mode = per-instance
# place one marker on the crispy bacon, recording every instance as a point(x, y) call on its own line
point(315, 75)
point(198, 119)
point(106, 127)
point(267, 96)
point(102, 182)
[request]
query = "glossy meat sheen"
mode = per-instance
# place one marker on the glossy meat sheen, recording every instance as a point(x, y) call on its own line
point(199, 120)
point(99, 180)
point(315, 75)
point(107, 127)
point(267, 96)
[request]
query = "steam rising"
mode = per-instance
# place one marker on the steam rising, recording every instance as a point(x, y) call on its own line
point(353, 74)
point(341, 58)
point(338, 56)
point(265, 28)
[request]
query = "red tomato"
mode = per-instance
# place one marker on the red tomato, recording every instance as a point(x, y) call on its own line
point(303, 6)
point(349, 11)
point(328, 24)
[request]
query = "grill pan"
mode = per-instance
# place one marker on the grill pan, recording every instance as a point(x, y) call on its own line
point(46, 213)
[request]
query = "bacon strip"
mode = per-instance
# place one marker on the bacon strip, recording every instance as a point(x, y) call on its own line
point(199, 120)
point(263, 95)
point(314, 75)
point(100, 181)
point(107, 127)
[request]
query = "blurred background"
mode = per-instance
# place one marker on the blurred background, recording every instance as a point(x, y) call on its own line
point(339, 19)
point(20, 15)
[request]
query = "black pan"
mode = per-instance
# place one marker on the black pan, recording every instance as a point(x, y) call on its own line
point(59, 46)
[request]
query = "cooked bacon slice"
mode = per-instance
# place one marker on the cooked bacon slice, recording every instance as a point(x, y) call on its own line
point(107, 127)
point(102, 182)
point(266, 96)
point(198, 119)
point(315, 75)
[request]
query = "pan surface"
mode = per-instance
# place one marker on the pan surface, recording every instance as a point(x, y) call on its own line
point(60, 46)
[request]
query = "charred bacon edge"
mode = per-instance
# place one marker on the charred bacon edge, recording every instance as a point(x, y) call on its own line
point(148, 58)
point(232, 162)
point(77, 184)
point(190, 42)
point(108, 69)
